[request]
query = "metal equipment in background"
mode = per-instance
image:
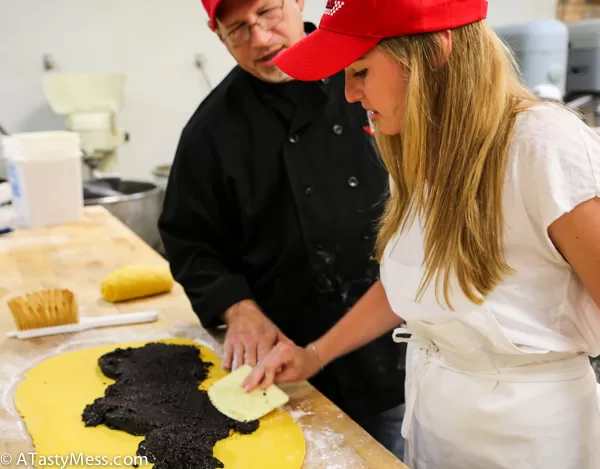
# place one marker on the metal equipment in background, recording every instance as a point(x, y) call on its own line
point(583, 72)
point(89, 102)
point(541, 49)
point(160, 174)
point(559, 61)
point(136, 203)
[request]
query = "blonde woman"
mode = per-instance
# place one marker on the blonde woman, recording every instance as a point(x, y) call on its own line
point(489, 246)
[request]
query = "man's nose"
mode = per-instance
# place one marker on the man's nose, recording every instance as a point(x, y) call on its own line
point(260, 37)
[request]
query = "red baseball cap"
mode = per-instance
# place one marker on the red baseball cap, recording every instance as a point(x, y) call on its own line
point(351, 28)
point(211, 8)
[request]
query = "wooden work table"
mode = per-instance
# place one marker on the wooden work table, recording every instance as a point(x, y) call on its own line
point(78, 256)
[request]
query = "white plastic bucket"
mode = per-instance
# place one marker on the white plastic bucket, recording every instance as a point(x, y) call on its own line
point(45, 175)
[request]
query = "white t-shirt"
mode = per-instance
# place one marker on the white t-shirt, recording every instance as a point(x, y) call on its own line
point(553, 165)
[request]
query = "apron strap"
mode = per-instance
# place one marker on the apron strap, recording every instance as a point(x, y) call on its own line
point(401, 335)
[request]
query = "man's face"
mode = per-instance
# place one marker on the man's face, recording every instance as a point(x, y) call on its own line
point(256, 54)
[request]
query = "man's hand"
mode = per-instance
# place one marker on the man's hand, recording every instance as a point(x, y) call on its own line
point(250, 335)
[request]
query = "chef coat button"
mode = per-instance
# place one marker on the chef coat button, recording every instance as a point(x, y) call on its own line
point(338, 129)
point(325, 81)
point(294, 138)
point(309, 190)
point(365, 236)
point(352, 181)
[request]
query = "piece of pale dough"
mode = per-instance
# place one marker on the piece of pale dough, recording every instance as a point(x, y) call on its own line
point(54, 393)
point(231, 399)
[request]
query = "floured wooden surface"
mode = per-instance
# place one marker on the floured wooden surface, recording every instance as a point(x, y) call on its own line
point(78, 256)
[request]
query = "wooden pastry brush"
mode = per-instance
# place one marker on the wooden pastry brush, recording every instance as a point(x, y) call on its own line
point(45, 308)
point(55, 311)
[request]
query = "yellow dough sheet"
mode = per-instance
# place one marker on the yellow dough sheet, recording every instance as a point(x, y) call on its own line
point(53, 395)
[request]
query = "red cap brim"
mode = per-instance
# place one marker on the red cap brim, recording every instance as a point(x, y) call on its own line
point(322, 54)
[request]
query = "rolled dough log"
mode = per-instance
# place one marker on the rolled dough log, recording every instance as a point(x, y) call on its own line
point(51, 398)
point(136, 281)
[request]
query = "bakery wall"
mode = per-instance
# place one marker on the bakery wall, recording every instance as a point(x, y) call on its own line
point(155, 42)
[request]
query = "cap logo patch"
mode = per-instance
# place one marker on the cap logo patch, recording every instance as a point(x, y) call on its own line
point(333, 6)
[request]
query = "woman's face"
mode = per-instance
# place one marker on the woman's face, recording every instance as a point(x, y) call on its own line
point(379, 83)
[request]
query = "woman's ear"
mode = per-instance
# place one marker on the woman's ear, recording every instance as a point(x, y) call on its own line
point(446, 37)
point(446, 40)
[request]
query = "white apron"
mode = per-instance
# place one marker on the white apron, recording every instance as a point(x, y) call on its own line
point(476, 401)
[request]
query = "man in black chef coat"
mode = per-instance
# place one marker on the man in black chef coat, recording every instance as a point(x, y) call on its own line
point(271, 209)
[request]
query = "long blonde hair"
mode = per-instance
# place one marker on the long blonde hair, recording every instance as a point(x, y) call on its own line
point(448, 163)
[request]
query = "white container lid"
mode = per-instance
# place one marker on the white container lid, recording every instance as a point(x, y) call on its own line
point(42, 145)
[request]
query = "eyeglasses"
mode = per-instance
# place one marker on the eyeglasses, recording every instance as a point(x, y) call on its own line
point(267, 20)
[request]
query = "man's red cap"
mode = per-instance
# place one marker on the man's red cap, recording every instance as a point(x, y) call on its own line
point(351, 28)
point(211, 8)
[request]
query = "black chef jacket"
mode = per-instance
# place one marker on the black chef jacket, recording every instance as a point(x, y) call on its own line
point(274, 195)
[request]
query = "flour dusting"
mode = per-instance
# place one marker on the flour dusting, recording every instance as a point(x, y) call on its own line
point(298, 414)
point(325, 450)
point(11, 243)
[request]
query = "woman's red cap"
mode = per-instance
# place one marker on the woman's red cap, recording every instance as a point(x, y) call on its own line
point(351, 28)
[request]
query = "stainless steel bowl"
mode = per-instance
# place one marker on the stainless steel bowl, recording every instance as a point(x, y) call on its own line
point(136, 203)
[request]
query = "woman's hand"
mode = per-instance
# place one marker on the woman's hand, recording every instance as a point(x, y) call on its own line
point(371, 317)
point(285, 363)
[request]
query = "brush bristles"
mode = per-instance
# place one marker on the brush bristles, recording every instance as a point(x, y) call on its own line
point(46, 308)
